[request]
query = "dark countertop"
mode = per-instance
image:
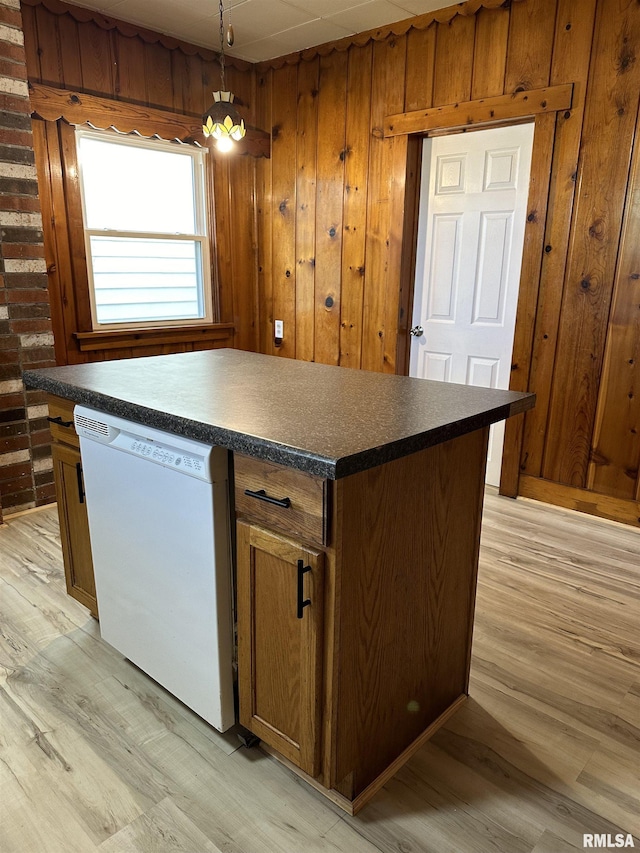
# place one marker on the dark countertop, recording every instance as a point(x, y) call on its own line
point(329, 421)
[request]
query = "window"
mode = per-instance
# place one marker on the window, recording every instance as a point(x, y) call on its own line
point(145, 233)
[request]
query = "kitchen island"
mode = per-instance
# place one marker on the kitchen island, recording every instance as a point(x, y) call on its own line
point(357, 500)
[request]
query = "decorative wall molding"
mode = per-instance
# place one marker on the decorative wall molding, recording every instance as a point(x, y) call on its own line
point(400, 28)
point(51, 104)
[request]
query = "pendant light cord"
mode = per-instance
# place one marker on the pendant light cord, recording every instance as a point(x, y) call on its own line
point(222, 86)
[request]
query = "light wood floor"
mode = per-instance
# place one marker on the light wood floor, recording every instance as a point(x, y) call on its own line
point(95, 756)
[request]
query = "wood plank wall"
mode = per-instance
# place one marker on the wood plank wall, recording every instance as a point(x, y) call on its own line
point(77, 49)
point(331, 238)
point(323, 237)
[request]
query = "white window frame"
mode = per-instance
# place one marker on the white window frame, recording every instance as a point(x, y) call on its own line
point(202, 237)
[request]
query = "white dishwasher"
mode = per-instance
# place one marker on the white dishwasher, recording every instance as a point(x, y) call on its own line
point(158, 511)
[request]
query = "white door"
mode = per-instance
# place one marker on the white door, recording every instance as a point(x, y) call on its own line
point(473, 206)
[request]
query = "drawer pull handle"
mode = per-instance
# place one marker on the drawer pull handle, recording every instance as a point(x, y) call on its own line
point(60, 422)
point(302, 601)
point(261, 495)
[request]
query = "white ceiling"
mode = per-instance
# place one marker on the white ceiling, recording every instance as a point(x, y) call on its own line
point(263, 29)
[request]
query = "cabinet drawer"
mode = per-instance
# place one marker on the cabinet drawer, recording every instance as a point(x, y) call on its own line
point(301, 510)
point(61, 421)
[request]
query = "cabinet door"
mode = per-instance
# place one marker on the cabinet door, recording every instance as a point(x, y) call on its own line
point(280, 603)
point(74, 526)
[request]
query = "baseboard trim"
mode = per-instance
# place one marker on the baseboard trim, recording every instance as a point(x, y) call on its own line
point(582, 500)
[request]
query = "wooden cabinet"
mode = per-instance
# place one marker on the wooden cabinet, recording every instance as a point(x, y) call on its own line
point(380, 658)
point(280, 630)
point(72, 509)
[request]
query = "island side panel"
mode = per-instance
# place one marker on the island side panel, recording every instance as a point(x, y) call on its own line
point(410, 533)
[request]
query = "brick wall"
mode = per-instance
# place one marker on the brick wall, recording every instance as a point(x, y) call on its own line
point(26, 338)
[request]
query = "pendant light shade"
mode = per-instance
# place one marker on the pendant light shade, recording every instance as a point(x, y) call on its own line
point(222, 121)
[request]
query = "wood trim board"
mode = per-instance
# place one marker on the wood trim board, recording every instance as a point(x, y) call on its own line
point(91, 341)
point(582, 500)
point(481, 112)
point(51, 104)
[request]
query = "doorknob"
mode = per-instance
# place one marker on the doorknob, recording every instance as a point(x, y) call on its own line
point(417, 332)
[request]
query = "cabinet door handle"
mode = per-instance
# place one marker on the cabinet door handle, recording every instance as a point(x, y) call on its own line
point(302, 601)
point(60, 422)
point(80, 483)
point(261, 495)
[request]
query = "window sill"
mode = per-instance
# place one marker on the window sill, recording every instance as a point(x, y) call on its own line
point(125, 338)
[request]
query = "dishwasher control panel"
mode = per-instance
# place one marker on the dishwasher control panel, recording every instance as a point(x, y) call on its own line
point(181, 454)
point(161, 453)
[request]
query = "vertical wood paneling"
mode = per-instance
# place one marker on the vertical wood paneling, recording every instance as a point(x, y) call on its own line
point(357, 140)
point(389, 61)
point(528, 294)
point(241, 190)
point(330, 195)
point(571, 62)
point(179, 79)
point(96, 60)
point(528, 65)
point(490, 52)
point(240, 83)
point(531, 29)
point(192, 85)
point(264, 217)
point(32, 54)
point(609, 126)
point(49, 156)
point(616, 456)
point(70, 52)
point(244, 252)
point(283, 252)
point(157, 70)
point(48, 49)
point(49, 227)
point(421, 57)
point(218, 178)
point(307, 145)
point(454, 61)
point(128, 68)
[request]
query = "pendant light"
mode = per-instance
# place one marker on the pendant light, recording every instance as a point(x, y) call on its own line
point(222, 121)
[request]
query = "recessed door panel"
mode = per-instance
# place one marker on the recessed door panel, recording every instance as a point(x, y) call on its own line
point(501, 169)
point(494, 253)
point(450, 174)
point(445, 263)
point(436, 365)
point(482, 372)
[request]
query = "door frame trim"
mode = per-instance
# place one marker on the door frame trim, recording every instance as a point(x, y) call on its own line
point(483, 112)
point(405, 196)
